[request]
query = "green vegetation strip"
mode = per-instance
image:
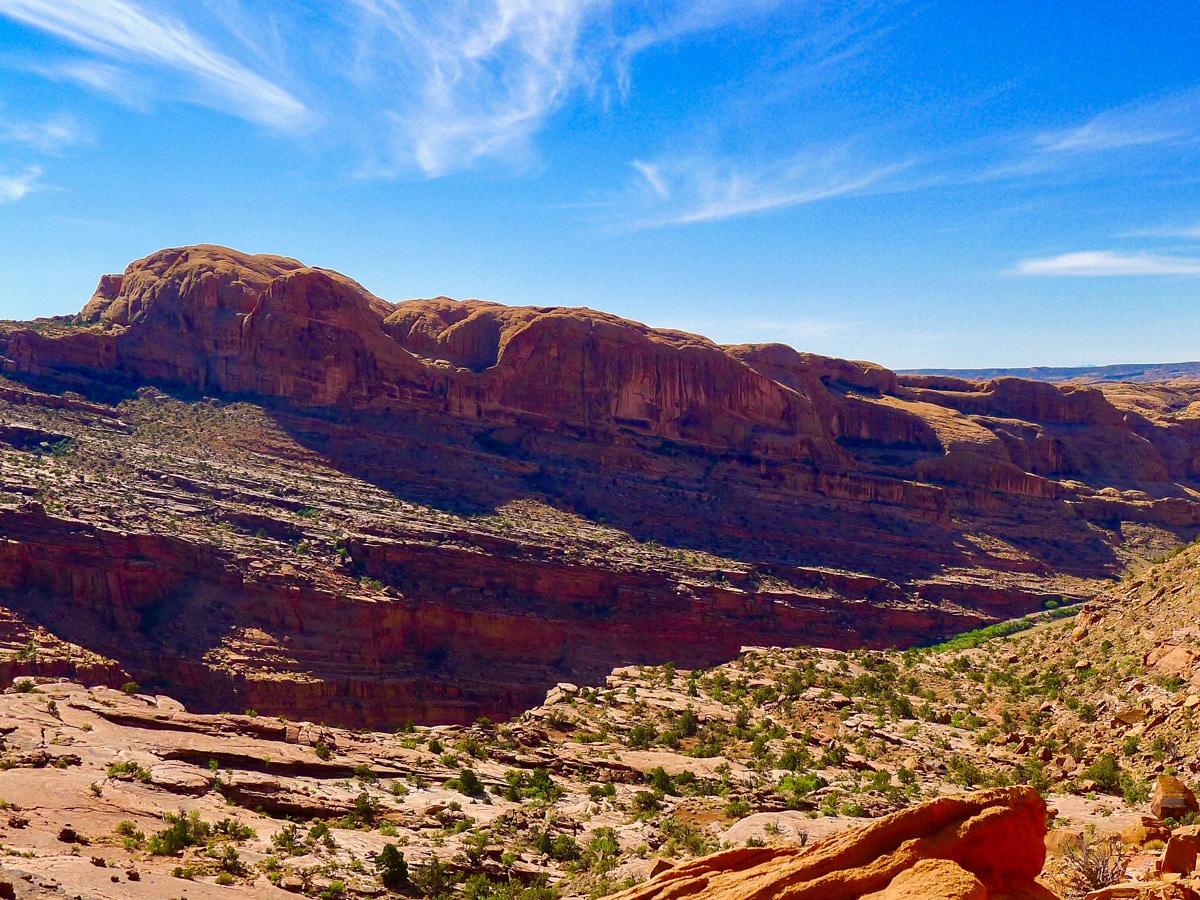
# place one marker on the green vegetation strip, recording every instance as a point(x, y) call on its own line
point(972, 639)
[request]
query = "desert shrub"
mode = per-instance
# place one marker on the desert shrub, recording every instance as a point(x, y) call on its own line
point(1106, 772)
point(965, 772)
point(1091, 865)
point(600, 791)
point(662, 781)
point(737, 808)
point(688, 838)
point(481, 887)
point(561, 848)
point(184, 830)
point(603, 851)
point(467, 783)
point(641, 736)
point(128, 771)
point(645, 801)
point(537, 785)
point(234, 830)
point(432, 878)
point(835, 754)
point(287, 840)
point(392, 867)
point(365, 810)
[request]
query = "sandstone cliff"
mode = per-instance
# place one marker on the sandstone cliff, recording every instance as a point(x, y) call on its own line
point(445, 506)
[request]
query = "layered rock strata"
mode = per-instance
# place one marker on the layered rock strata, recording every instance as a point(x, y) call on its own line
point(435, 509)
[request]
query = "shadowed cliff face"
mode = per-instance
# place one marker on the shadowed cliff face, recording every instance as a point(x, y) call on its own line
point(836, 502)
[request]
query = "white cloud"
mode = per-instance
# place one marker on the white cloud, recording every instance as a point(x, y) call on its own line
point(1190, 233)
point(14, 187)
point(50, 136)
point(1146, 122)
point(1108, 263)
point(653, 177)
point(121, 30)
point(470, 80)
point(477, 79)
point(698, 189)
point(115, 81)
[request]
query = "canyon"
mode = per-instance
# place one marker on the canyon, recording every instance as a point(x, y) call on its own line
point(255, 485)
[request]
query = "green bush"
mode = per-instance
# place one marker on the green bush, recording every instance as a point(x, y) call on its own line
point(184, 830)
point(737, 809)
point(562, 849)
point(1106, 772)
point(287, 840)
point(536, 786)
point(641, 736)
point(128, 771)
point(662, 781)
point(392, 867)
point(432, 878)
point(467, 783)
point(645, 801)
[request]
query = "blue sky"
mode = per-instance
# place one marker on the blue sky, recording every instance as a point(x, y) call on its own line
point(922, 184)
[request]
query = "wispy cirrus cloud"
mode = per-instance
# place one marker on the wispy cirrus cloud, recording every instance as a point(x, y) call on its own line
point(123, 31)
point(15, 186)
point(469, 80)
point(688, 189)
point(479, 79)
point(1100, 263)
point(1190, 232)
point(693, 190)
point(1169, 119)
point(48, 136)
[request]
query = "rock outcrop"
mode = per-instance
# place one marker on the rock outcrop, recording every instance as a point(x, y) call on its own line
point(436, 509)
point(988, 844)
point(1172, 799)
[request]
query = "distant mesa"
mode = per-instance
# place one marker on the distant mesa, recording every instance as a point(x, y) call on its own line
point(1142, 373)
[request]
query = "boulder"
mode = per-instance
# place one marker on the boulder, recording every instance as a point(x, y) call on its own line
point(1179, 856)
point(1188, 833)
point(970, 847)
point(934, 878)
point(1172, 799)
point(181, 778)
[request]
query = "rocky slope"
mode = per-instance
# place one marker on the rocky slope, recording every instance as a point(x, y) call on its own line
point(771, 761)
point(256, 484)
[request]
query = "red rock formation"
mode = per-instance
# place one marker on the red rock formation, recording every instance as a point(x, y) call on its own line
point(987, 844)
point(897, 508)
point(213, 318)
point(463, 633)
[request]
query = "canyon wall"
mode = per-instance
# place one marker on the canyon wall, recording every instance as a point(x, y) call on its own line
point(745, 495)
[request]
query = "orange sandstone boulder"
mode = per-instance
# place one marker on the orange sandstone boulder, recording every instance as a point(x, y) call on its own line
point(1172, 798)
point(970, 847)
point(1179, 856)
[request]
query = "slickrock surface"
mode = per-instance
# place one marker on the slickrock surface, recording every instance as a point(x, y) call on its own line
point(254, 484)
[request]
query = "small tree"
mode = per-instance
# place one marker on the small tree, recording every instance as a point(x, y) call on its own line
point(467, 782)
point(392, 867)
